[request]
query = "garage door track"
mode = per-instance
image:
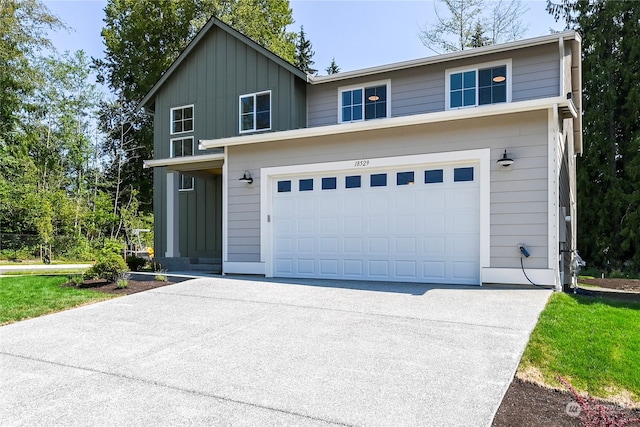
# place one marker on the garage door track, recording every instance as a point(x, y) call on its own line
point(246, 352)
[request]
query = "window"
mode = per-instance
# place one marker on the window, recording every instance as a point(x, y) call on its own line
point(354, 181)
point(284, 186)
point(486, 84)
point(186, 183)
point(462, 174)
point(379, 180)
point(255, 112)
point(433, 176)
point(364, 102)
point(182, 119)
point(405, 178)
point(306, 184)
point(181, 147)
point(329, 183)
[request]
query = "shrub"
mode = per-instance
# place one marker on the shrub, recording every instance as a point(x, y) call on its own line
point(123, 280)
point(108, 266)
point(76, 279)
point(161, 275)
point(135, 263)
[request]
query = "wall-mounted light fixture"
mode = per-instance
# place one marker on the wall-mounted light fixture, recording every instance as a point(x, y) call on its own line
point(505, 160)
point(247, 178)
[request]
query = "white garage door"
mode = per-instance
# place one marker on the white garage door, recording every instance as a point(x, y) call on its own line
point(417, 224)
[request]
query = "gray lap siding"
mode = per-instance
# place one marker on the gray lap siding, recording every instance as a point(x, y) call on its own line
point(519, 197)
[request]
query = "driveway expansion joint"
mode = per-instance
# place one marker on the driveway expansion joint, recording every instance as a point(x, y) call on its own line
point(175, 388)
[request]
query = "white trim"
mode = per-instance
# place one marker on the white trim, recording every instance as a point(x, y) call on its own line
point(437, 59)
point(476, 67)
point(182, 138)
point(268, 175)
point(255, 106)
point(193, 119)
point(364, 86)
point(185, 160)
point(515, 276)
point(393, 122)
point(243, 268)
point(561, 49)
point(552, 190)
point(225, 208)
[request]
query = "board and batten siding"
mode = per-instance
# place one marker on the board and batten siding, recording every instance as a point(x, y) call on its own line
point(418, 90)
point(212, 78)
point(519, 197)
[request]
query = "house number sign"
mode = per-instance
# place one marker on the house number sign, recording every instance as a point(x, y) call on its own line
point(361, 163)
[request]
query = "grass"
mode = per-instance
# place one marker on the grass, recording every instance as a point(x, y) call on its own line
point(32, 296)
point(594, 343)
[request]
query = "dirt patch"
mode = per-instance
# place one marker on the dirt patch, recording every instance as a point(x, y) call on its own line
point(140, 284)
point(528, 404)
point(629, 285)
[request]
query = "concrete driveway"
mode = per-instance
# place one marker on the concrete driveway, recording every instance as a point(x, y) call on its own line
point(247, 352)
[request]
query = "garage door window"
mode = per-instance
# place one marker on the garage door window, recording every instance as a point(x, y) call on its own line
point(405, 178)
point(462, 174)
point(379, 180)
point(433, 176)
point(306, 185)
point(329, 183)
point(353, 181)
point(284, 186)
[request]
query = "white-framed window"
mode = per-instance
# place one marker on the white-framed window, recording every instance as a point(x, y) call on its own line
point(255, 112)
point(181, 119)
point(364, 102)
point(181, 147)
point(187, 183)
point(481, 84)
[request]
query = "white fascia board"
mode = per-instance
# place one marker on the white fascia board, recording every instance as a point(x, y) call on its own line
point(184, 160)
point(417, 119)
point(481, 51)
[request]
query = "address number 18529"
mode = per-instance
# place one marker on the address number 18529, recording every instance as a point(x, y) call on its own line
point(361, 163)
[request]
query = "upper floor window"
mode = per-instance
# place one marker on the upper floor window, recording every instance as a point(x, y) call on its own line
point(182, 119)
point(255, 112)
point(364, 102)
point(481, 85)
point(181, 147)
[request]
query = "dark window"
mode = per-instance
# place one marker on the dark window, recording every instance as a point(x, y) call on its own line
point(306, 184)
point(353, 181)
point(182, 119)
point(405, 178)
point(284, 186)
point(379, 180)
point(492, 85)
point(255, 112)
point(433, 176)
point(375, 102)
point(329, 183)
point(463, 174)
point(352, 105)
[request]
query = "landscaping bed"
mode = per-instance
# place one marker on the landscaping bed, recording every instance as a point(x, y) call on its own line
point(138, 283)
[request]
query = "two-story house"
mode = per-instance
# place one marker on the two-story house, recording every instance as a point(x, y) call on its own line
point(435, 170)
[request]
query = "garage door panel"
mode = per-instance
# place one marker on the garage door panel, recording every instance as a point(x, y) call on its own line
point(417, 233)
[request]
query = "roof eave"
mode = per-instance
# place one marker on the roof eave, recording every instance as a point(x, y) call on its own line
point(470, 53)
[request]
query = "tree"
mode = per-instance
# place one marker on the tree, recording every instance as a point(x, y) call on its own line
point(333, 68)
point(23, 26)
point(143, 37)
point(304, 54)
point(608, 172)
point(468, 25)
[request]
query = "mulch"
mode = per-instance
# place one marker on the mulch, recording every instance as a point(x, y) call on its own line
point(525, 403)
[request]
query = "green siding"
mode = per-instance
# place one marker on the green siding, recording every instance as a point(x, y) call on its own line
point(212, 78)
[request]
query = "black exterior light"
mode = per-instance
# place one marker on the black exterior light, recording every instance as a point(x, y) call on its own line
point(247, 178)
point(505, 160)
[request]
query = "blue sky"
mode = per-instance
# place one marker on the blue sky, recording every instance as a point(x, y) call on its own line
point(358, 34)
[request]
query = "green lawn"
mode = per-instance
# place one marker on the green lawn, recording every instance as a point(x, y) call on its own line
point(594, 343)
point(31, 296)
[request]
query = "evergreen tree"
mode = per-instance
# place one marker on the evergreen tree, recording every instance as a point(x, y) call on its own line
point(304, 54)
point(478, 38)
point(609, 170)
point(333, 68)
